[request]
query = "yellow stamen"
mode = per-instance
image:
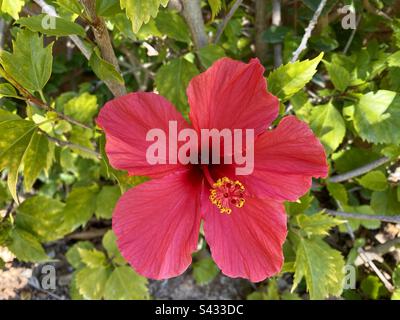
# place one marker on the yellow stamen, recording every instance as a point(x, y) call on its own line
point(226, 194)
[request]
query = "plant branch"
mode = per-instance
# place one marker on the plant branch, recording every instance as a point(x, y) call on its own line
point(361, 216)
point(224, 22)
point(26, 95)
point(86, 51)
point(359, 171)
point(353, 33)
point(191, 11)
point(385, 247)
point(68, 144)
point(276, 21)
point(261, 26)
point(308, 31)
point(104, 42)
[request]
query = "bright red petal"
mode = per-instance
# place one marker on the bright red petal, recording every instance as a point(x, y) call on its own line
point(285, 160)
point(126, 122)
point(157, 224)
point(248, 242)
point(233, 95)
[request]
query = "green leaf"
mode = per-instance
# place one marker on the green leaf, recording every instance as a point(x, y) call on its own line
point(92, 258)
point(6, 227)
point(107, 8)
point(82, 108)
point(15, 137)
point(356, 223)
point(172, 79)
point(103, 69)
point(51, 26)
point(106, 201)
point(140, 11)
point(317, 224)
point(7, 90)
point(26, 247)
point(216, 6)
point(12, 7)
point(204, 271)
point(80, 206)
point(30, 64)
point(301, 205)
point(377, 117)
point(73, 256)
point(290, 78)
point(209, 54)
point(374, 180)
point(41, 216)
point(92, 282)
point(394, 59)
point(6, 115)
point(82, 137)
point(172, 24)
point(350, 159)
point(328, 124)
point(39, 156)
point(125, 284)
point(73, 289)
point(396, 295)
point(110, 244)
point(275, 34)
point(385, 202)
point(338, 192)
point(73, 6)
point(340, 77)
point(321, 266)
point(372, 287)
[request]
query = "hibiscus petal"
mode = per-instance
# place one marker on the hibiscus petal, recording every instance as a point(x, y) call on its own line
point(126, 122)
point(157, 224)
point(285, 160)
point(232, 94)
point(248, 242)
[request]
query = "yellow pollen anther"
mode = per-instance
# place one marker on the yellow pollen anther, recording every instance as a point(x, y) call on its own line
point(226, 194)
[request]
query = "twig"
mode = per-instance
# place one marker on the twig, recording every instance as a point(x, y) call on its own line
point(136, 66)
point(276, 21)
point(308, 31)
point(359, 171)
point(2, 27)
point(370, 8)
point(224, 22)
point(87, 235)
point(353, 33)
point(378, 272)
point(385, 247)
point(361, 216)
point(37, 102)
point(87, 52)
point(364, 256)
point(68, 144)
point(261, 26)
point(192, 13)
point(104, 42)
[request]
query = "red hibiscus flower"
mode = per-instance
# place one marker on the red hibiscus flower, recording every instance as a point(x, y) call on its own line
point(157, 223)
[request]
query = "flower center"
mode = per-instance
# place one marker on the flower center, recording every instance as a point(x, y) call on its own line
point(226, 193)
